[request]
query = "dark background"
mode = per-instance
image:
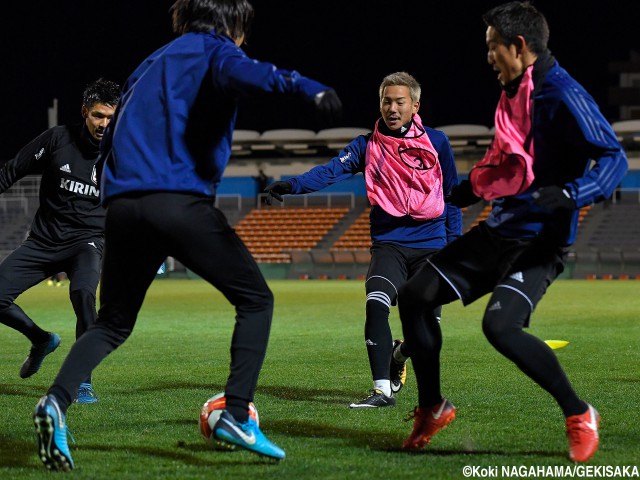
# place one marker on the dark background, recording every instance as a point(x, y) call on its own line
point(54, 48)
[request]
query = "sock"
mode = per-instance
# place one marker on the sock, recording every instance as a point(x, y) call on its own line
point(398, 356)
point(383, 385)
point(238, 408)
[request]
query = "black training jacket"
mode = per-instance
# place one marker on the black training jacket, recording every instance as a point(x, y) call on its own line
point(70, 209)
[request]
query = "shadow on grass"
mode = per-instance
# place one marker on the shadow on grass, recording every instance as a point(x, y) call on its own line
point(288, 393)
point(500, 453)
point(383, 441)
point(169, 387)
point(327, 396)
point(351, 434)
point(16, 453)
point(23, 390)
point(184, 452)
point(342, 397)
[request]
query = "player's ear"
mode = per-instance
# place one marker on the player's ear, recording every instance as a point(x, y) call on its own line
point(84, 111)
point(520, 43)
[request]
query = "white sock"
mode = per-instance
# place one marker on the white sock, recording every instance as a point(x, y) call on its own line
point(383, 385)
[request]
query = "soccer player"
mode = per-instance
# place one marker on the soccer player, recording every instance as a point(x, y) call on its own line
point(408, 169)
point(67, 232)
point(164, 156)
point(553, 152)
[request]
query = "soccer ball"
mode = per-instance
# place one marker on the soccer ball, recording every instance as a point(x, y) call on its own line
point(210, 413)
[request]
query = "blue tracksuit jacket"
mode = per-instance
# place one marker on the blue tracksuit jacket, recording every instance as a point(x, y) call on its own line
point(173, 127)
point(574, 147)
point(403, 231)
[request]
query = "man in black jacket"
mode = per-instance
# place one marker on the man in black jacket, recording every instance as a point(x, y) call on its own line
point(67, 232)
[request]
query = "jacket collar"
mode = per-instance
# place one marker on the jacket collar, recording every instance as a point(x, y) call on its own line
point(541, 66)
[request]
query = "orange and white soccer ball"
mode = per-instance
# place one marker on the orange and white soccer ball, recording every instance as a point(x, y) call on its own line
point(210, 413)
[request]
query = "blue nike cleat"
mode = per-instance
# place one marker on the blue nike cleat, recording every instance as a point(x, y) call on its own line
point(38, 351)
point(246, 435)
point(52, 431)
point(86, 394)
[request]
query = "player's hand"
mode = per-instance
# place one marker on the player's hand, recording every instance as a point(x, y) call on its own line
point(276, 190)
point(462, 195)
point(554, 198)
point(329, 106)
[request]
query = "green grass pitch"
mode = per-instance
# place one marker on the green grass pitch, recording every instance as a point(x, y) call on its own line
point(151, 389)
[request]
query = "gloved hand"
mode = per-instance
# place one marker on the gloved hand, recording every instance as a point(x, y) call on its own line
point(276, 190)
point(462, 195)
point(554, 198)
point(329, 106)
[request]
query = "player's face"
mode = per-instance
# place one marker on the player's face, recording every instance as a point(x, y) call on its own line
point(396, 106)
point(97, 117)
point(506, 60)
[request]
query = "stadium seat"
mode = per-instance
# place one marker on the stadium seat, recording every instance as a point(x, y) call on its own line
point(242, 140)
point(245, 135)
point(295, 140)
point(465, 134)
point(627, 131)
point(362, 256)
point(338, 138)
point(626, 126)
point(286, 231)
point(287, 134)
point(356, 237)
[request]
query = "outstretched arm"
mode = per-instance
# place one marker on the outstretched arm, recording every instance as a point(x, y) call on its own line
point(30, 159)
point(349, 161)
point(244, 75)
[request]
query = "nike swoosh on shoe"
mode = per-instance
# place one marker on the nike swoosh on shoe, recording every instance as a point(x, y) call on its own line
point(436, 415)
point(249, 439)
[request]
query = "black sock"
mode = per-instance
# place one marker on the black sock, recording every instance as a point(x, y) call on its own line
point(238, 408)
point(378, 339)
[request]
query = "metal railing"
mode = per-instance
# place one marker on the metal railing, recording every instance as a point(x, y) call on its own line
point(222, 203)
point(8, 204)
point(313, 199)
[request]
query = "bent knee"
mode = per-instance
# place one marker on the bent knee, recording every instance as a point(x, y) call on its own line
point(505, 315)
point(495, 328)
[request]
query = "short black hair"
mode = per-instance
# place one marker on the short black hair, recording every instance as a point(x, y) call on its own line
point(226, 17)
point(519, 18)
point(101, 91)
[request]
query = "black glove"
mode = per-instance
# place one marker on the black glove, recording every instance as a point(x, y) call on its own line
point(276, 190)
point(462, 195)
point(554, 198)
point(329, 106)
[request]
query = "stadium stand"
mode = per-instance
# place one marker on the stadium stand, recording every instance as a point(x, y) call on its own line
point(17, 207)
point(628, 132)
point(242, 140)
point(608, 243)
point(466, 135)
point(337, 138)
point(271, 234)
point(287, 140)
point(356, 237)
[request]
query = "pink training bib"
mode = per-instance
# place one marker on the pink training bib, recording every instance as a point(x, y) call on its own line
point(403, 175)
point(507, 166)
